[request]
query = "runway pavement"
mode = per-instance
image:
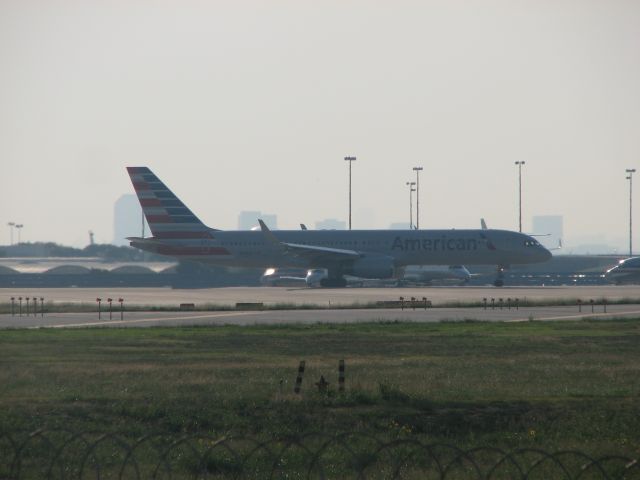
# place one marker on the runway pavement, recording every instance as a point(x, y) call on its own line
point(322, 297)
point(271, 317)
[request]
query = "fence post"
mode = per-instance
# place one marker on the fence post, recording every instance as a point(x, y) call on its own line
point(13, 306)
point(341, 376)
point(99, 300)
point(121, 300)
point(484, 301)
point(27, 299)
point(579, 306)
point(296, 389)
point(42, 306)
point(20, 299)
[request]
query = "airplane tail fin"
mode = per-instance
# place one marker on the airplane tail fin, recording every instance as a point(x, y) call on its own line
point(166, 215)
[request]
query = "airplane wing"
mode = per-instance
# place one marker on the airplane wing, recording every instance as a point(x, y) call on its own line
point(313, 253)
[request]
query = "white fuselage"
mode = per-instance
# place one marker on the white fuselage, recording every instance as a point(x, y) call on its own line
point(403, 247)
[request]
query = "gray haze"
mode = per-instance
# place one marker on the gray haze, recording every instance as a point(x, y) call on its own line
point(251, 105)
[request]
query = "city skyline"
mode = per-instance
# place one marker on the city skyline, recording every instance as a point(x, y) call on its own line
point(252, 106)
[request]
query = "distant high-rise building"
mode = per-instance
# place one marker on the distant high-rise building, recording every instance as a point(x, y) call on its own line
point(127, 220)
point(249, 219)
point(331, 224)
point(550, 225)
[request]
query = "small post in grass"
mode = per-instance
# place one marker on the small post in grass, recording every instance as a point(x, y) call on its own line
point(424, 299)
point(121, 300)
point(110, 307)
point(20, 299)
point(298, 385)
point(517, 304)
point(592, 304)
point(401, 303)
point(484, 302)
point(413, 302)
point(579, 306)
point(501, 303)
point(27, 299)
point(13, 306)
point(322, 384)
point(493, 304)
point(341, 376)
point(42, 306)
point(99, 300)
point(604, 304)
point(509, 303)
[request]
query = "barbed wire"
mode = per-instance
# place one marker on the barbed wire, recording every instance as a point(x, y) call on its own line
point(64, 454)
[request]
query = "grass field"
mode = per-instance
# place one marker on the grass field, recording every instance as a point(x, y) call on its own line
point(552, 385)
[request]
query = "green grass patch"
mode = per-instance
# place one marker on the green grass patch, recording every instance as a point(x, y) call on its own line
point(551, 385)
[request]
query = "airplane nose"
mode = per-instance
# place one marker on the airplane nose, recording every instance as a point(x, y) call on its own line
point(546, 255)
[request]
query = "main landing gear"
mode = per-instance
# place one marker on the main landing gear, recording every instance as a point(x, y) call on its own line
point(499, 281)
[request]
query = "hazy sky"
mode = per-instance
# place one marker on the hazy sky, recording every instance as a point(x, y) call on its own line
point(252, 105)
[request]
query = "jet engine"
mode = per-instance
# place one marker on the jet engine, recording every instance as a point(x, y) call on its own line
point(372, 267)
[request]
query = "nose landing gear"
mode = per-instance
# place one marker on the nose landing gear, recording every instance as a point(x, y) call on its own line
point(499, 281)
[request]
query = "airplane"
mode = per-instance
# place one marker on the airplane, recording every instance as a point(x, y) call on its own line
point(626, 272)
point(178, 233)
point(412, 274)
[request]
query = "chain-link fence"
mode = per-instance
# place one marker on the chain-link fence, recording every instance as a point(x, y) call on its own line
point(58, 454)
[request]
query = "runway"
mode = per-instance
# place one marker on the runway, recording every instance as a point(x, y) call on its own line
point(275, 317)
point(321, 297)
point(324, 299)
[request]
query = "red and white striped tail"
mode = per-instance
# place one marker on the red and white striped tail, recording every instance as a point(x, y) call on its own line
point(166, 215)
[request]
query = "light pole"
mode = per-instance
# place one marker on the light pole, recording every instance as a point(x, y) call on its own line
point(11, 225)
point(630, 171)
point(417, 170)
point(350, 160)
point(19, 227)
point(411, 190)
point(520, 164)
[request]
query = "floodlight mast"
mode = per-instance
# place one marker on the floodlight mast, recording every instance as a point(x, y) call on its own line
point(417, 170)
point(411, 190)
point(630, 171)
point(519, 164)
point(350, 160)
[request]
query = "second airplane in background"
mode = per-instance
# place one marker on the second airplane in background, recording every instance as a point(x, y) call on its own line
point(379, 254)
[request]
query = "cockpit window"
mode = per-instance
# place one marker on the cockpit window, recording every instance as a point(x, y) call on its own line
point(531, 243)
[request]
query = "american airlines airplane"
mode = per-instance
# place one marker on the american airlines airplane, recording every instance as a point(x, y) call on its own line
point(178, 233)
point(627, 272)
